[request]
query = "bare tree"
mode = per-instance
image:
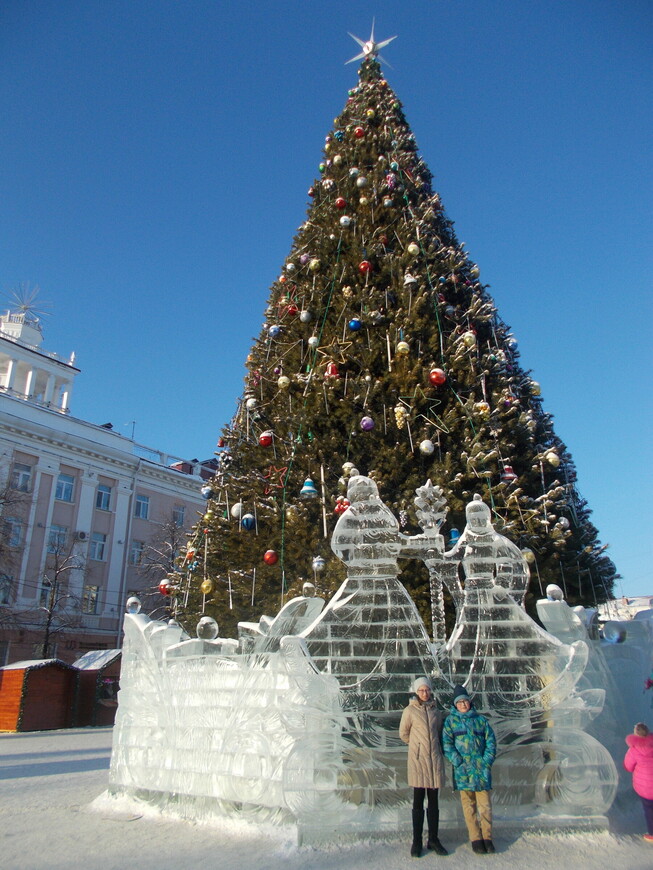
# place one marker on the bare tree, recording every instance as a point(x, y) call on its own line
point(58, 609)
point(13, 502)
point(159, 556)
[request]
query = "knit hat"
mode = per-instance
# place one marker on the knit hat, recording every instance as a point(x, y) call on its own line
point(420, 681)
point(460, 694)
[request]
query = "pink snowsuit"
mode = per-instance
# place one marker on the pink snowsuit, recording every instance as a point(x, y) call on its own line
point(639, 762)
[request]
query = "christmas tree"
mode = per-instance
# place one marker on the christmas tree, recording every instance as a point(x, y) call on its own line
point(382, 352)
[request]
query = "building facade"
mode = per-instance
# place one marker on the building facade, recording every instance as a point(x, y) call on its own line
point(88, 516)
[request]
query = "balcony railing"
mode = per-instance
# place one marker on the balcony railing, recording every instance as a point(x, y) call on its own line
point(52, 406)
point(50, 354)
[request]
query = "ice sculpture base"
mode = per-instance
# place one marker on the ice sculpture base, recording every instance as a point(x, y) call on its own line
point(392, 827)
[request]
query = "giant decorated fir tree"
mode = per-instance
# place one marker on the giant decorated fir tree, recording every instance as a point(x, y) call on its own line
point(381, 350)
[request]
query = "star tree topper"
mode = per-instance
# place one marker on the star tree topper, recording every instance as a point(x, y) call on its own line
point(370, 48)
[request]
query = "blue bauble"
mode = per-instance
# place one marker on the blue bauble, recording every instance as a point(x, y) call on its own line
point(248, 522)
point(355, 324)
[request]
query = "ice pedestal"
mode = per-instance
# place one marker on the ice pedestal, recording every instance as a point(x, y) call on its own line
point(207, 733)
point(298, 721)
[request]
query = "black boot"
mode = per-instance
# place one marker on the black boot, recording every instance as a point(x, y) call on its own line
point(433, 819)
point(418, 827)
point(478, 846)
point(489, 846)
point(436, 846)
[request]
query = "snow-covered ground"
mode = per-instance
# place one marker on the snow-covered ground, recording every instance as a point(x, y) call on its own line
point(50, 818)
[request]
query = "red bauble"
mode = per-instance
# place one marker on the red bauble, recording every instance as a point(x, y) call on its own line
point(437, 377)
point(270, 557)
point(365, 267)
point(332, 371)
point(311, 191)
point(265, 439)
point(359, 132)
point(341, 202)
point(165, 587)
point(292, 309)
point(342, 504)
point(220, 442)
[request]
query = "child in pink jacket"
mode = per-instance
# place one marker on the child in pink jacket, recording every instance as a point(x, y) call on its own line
point(639, 762)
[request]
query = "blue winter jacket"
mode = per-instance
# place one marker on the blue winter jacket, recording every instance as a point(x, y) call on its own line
point(469, 743)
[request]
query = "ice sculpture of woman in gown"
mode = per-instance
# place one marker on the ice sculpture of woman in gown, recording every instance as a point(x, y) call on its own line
point(370, 635)
point(526, 677)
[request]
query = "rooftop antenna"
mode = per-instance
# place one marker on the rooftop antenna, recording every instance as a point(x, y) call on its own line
point(23, 300)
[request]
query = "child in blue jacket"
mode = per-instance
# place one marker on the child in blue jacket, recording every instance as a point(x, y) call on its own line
point(469, 743)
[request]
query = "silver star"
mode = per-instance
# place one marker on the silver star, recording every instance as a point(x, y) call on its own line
point(370, 48)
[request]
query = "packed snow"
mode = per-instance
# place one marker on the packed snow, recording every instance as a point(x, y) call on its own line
point(55, 814)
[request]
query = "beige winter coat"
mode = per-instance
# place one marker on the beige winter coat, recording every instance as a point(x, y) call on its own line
point(420, 728)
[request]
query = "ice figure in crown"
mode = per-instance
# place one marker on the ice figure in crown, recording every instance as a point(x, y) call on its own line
point(525, 679)
point(371, 637)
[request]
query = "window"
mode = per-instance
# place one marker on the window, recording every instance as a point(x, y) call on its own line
point(21, 477)
point(6, 583)
point(178, 515)
point(103, 498)
point(142, 507)
point(57, 539)
point(44, 592)
point(65, 487)
point(50, 652)
point(98, 547)
point(14, 531)
point(136, 552)
point(90, 599)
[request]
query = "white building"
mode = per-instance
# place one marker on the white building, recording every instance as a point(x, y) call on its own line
point(81, 507)
point(626, 608)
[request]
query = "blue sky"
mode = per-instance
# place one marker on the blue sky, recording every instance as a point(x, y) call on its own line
point(154, 163)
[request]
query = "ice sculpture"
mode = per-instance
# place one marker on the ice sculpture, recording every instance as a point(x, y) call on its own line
point(370, 635)
point(525, 680)
point(265, 635)
point(487, 555)
point(613, 714)
point(297, 720)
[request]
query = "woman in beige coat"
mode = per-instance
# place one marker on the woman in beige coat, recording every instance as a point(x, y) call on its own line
point(420, 728)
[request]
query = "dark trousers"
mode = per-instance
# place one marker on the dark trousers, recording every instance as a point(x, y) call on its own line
point(647, 804)
point(432, 813)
